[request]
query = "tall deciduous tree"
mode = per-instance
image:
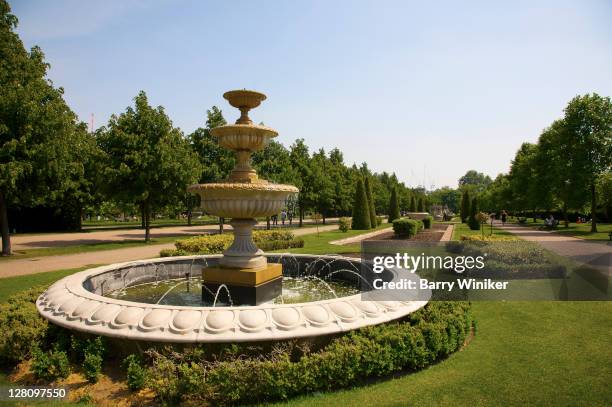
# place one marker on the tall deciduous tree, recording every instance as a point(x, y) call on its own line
point(148, 160)
point(588, 120)
point(43, 147)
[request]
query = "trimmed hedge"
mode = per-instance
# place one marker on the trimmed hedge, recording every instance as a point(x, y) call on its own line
point(361, 209)
point(22, 327)
point(405, 227)
point(344, 224)
point(427, 222)
point(214, 244)
point(236, 377)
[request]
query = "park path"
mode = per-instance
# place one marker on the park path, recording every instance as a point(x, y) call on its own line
point(594, 254)
point(19, 267)
point(47, 240)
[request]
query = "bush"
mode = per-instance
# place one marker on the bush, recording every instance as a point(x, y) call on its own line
point(406, 227)
point(214, 244)
point(136, 373)
point(92, 367)
point(344, 224)
point(380, 220)
point(427, 335)
point(51, 365)
point(21, 326)
point(427, 222)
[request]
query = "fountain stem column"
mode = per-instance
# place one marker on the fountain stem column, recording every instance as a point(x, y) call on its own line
point(243, 253)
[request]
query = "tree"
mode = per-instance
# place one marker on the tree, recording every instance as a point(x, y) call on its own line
point(148, 160)
point(465, 206)
point(473, 220)
point(361, 213)
point(474, 181)
point(216, 162)
point(421, 205)
point(370, 202)
point(43, 147)
point(588, 120)
point(413, 204)
point(446, 196)
point(301, 164)
point(522, 177)
point(394, 212)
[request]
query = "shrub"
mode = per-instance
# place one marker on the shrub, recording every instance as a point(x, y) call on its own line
point(406, 227)
point(427, 222)
point(361, 211)
point(51, 365)
point(465, 206)
point(370, 198)
point(21, 326)
point(473, 222)
point(92, 366)
point(429, 334)
point(380, 220)
point(344, 224)
point(214, 244)
point(394, 212)
point(136, 373)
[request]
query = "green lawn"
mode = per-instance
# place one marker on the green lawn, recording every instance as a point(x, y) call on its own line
point(524, 353)
point(579, 230)
point(462, 229)
point(319, 243)
point(84, 248)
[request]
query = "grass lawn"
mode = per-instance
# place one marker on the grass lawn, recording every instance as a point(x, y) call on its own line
point(579, 230)
point(462, 229)
point(524, 353)
point(319, 243)
point(87, 247)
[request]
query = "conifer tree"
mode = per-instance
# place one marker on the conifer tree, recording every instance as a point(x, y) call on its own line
point(361, 213)
point(393, 206)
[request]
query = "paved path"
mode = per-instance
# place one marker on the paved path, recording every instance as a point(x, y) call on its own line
point(18, 267)
point(359, 238)
point(25, 242)
point(585, 252)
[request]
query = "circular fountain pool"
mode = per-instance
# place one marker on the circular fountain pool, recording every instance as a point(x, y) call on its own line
point(161, 300)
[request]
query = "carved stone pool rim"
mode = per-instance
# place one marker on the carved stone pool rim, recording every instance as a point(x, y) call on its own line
point(68, 304)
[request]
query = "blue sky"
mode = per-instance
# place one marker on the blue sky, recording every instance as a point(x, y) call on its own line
point(427, 90)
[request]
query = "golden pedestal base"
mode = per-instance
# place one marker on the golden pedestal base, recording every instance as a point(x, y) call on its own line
point(246, 286)
point(242, 277)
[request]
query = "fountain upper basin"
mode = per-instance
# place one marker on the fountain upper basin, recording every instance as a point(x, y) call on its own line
point(243, 137)
point(243, 200)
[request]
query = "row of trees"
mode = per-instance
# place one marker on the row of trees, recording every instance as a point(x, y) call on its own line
point(140, 162)
point(568, 169)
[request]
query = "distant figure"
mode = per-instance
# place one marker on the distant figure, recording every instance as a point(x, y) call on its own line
point(283, 216)
point(290, 216)
point(274, 220)
point(550, 221)
point(504, 215)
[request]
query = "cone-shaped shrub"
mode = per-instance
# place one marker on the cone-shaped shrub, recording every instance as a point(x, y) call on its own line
point(473, 221)
point(421, 207)
point(413, 204)
point(361, 211)
point(393, 206)
point(371, 206)
point(465, 206)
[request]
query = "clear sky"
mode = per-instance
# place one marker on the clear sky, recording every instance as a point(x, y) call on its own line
point(427, 90)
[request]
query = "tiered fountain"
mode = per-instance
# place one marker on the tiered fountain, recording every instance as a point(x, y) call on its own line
point(243, 197)
point(152, 300)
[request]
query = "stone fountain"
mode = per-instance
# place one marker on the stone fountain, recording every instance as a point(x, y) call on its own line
point(243, 197)
point(93, 301)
